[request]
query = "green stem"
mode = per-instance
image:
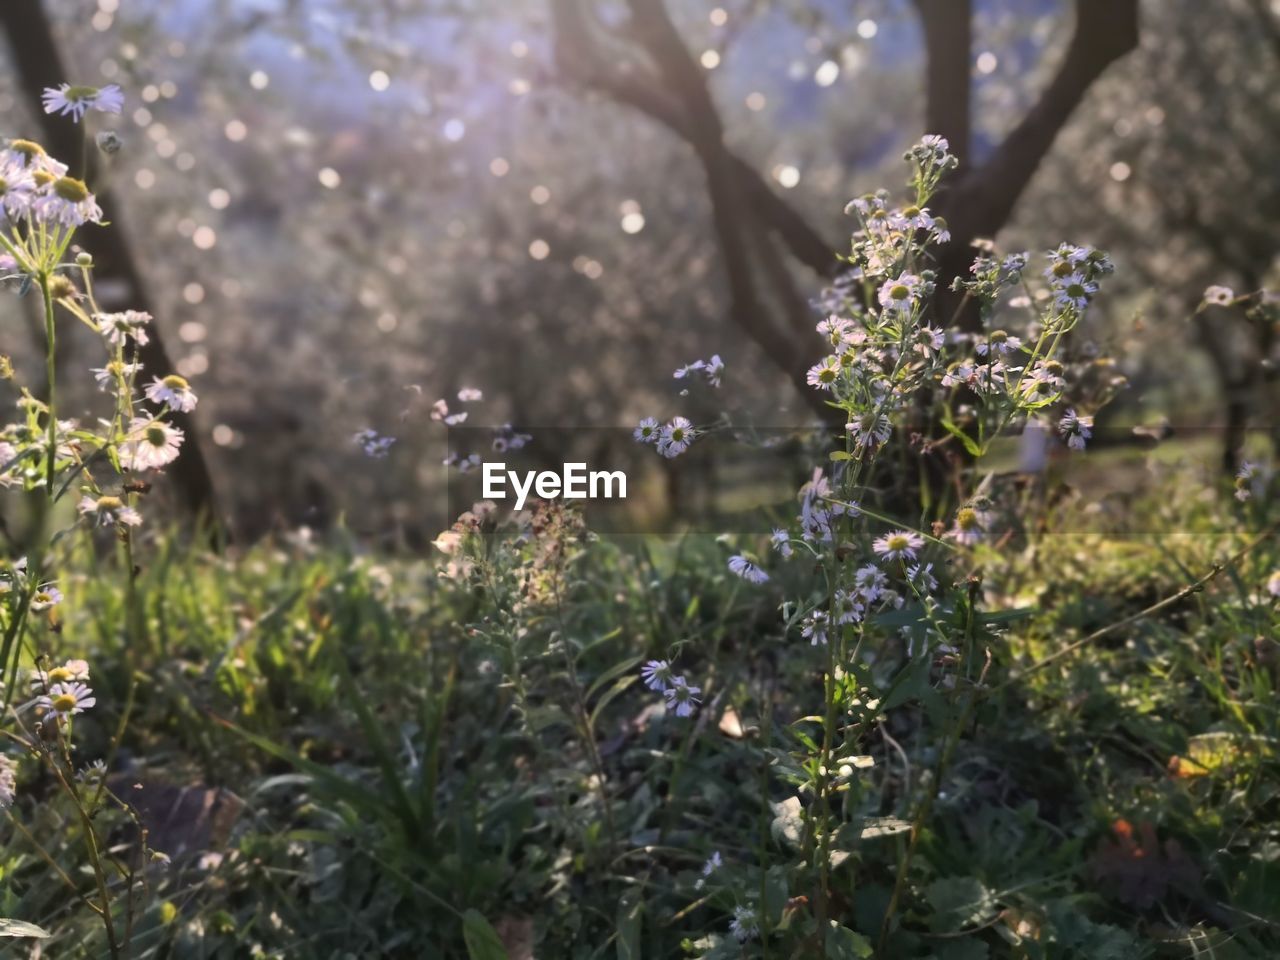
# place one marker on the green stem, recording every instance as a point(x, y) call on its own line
point(51, 373)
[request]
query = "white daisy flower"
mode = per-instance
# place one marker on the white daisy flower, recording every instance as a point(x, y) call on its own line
point(470, 395)
point(1044, 382)
point(999, 342)
point(676, 437)
point(1065, 260)
point(174, 391)
point(8, 780)
point(898, 545)
point(714, 370)
point(714, 863)
point(67, 698)
point(1221, 296)
point(1244, 481)
point(67, 202)
point(912, 218)
point(900, 295)
point(814, 628)
point(657, 675)
point(781, 541)
point(929, 341)
point(373, 443)
point(77, 670)
point(45, 597)
point(17, 191)
point(688, 368)
point(922, 577)
point(825, 374)
point(869, 430)
point(119, 327)
point(848, 607)
point(1074, 291)
point(682, 697)
point(647, 430)
point(1273, 584)
point(107, 377)
point(150, 444)
point(29, 155)
point(933, 145)
point(439, 410)
point(76, 100)
point(8, 453)
point(747, 570)
point(1075, 429)
point(970, 526)
point(107, 510)
point(869, 581)
point(743, 925)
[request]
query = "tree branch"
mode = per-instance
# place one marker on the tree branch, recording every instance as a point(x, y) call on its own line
point(981, 203)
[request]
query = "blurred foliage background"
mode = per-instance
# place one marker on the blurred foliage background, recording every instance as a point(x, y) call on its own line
point(343, 209)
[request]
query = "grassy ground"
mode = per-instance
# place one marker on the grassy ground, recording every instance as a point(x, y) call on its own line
point(347, 756)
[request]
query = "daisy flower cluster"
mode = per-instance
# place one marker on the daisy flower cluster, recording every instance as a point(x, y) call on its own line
point(502, 438)
point(712, 369)
point(681, 696)
point(43, 207)
point(670, 439)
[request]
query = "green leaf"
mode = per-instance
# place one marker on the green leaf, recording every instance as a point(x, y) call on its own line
point(969, 443)
point(843, 944)
point(629, 911)
point(839, 455)
point(482, 940)
point(626, 666)
point(969, 948)
point(874, 827)
point(775, 893)
point(20, 928)
point(959, 902)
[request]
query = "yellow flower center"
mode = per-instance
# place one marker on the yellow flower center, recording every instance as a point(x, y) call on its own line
point(899, 291)
point(64, 703)
point(898, 542)
point(999, 336)
point(59, 675)
point(155, 435)
point(175, 382)
point(29, 150)
point(1062, 268)
point(75, 94)
point(827, 375)
point(911, 212)
point(967, 518)
point(71, 189)
point(109, 503)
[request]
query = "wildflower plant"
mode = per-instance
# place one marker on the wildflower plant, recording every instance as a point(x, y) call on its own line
point(892, 611)
point(44, 208)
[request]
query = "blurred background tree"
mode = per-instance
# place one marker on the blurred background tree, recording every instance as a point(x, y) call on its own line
point(342, 210)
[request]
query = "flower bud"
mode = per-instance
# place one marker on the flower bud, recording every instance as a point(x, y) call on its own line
point(109, 142)
point(84, 260)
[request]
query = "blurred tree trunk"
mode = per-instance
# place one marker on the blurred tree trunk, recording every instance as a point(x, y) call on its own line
point(643, 63)
point(38, 65)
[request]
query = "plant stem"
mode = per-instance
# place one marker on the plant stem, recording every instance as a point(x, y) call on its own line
point(51, 373)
